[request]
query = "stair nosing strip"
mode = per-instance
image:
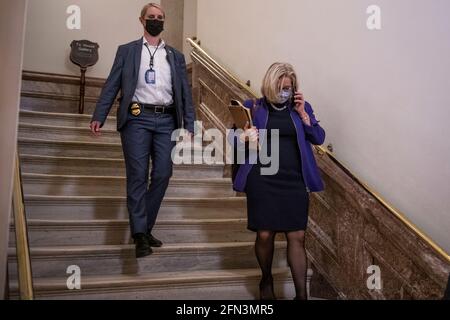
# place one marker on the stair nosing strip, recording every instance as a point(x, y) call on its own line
point(38, 197)
point(101, 251)
point(167, 279)
point(86, 177)
point(46, 157)
point(44, 126)
point(58, 114)
point(68, 142)
point(105, 222)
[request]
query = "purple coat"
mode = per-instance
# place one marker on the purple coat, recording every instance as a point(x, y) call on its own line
point(306, 135)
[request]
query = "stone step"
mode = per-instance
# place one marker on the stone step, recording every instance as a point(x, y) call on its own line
point(105, 167)
point(51, 262)
point(75, 134)
point(62, 119)
point(52, 132)
point(83, 149)
point(54, 148)
point(59, 103)
point(33, 82)
point(236, 284)
point(117, 232)
point(92, 208)
point(60, 185)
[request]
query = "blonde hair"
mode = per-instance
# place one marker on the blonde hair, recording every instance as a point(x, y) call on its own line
point(152, 5)
point(274, 77)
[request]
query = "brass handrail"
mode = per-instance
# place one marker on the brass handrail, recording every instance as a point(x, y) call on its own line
point(322, 151)
point(239, 83)
point(21, 229)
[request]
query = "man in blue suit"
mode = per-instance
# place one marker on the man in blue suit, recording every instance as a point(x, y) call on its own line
point(155, 100)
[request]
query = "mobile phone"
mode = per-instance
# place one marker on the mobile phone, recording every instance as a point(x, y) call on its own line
point(294, 88)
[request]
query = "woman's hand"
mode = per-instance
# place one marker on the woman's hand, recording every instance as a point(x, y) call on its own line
point(250, 134)
point(299, 101)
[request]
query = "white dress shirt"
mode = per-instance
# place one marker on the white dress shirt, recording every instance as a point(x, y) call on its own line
point(159, 93)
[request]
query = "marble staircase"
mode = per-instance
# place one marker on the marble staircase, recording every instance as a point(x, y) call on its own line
point(74, 186)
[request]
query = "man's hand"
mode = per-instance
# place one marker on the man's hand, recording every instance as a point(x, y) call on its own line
point(187, 137)
point(95, 128)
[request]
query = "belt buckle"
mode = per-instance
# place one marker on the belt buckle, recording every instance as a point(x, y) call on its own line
point(160, 108)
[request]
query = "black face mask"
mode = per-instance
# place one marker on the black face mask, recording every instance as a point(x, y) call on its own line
point(154, 27)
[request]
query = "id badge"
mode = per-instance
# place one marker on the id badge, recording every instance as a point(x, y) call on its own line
point(150, 77)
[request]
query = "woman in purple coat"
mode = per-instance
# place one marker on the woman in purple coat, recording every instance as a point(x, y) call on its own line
point(280, 202)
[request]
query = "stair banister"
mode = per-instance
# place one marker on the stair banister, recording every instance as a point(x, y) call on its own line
point(21, 231)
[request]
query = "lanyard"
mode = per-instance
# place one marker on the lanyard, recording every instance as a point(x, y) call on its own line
point(152, 56)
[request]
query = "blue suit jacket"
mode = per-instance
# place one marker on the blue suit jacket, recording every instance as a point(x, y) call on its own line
point(306, 135)
point(124, 77)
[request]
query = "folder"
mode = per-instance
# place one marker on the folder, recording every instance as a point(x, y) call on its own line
point(241, 115)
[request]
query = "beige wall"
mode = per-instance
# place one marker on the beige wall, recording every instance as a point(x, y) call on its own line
point(190, 25)
point(12, 29)
point(173, 33)
point(107, 22)
point(110, 23)
point(381, 95)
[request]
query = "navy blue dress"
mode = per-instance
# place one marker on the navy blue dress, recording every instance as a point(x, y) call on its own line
point(279, 202)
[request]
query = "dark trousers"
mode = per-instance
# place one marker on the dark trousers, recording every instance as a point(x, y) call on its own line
point(146, 137)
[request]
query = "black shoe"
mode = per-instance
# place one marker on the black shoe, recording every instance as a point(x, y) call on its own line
point(143, 248)
point(301, 299)
point(153, 241)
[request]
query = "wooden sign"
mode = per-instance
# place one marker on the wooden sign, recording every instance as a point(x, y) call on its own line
point(84, 53)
